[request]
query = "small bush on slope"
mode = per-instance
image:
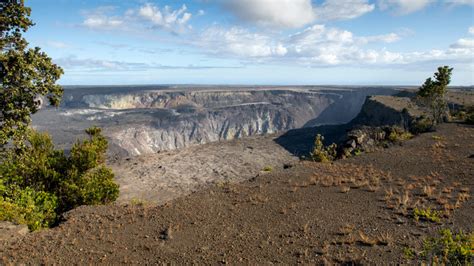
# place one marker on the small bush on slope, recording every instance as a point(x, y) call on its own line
point(449, 249)
point(321, 153)
point(469, 118)
point(39, 183)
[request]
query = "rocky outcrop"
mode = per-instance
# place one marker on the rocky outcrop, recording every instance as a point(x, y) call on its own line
point(387, 111)
point(383, 121)
point(379, 117)
point(370, 139)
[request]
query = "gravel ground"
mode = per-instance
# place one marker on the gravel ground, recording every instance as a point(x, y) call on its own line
point(351, 211)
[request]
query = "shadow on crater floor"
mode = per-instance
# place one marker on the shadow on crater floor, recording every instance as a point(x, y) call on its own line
point(300, 141)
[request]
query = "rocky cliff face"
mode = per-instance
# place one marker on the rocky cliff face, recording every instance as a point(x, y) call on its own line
point(388, 111)
point(377, 118)
point(148, 121)
point(202, 117)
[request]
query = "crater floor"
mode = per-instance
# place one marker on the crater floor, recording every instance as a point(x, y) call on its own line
point(161, 177)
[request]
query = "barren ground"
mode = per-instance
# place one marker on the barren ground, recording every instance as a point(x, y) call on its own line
point(158, 178)
point(354, 210)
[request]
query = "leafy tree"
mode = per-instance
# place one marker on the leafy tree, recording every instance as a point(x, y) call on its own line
point(37, 182)
point(433, 93)
point(25, 74)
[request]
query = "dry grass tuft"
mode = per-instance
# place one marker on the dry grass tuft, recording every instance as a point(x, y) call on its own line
point(366, 240)
point(447, 190)
point(372, 188)
point(428, 191)
point(346, 229)
point(463, 197)
point(384, 239)
point(323, 250)
point(345, 189)
point(388, 193)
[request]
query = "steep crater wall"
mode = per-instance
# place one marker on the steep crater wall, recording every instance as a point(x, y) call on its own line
point(149, 121)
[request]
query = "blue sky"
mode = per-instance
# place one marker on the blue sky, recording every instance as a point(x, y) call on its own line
point(346, 42)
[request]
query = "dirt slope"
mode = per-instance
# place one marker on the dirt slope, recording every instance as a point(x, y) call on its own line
point(355, 210)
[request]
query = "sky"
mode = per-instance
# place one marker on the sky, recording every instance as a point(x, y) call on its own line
point(269, 42)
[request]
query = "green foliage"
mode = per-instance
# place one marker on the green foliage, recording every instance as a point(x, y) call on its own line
point(408, 253)
point(421, 125)
point(267, 169)
point(449, 249)
point(90, 153)
point(322, 153)
point(469, 115)
point(37, 209)
point(25, 74)
point(427, 214)
point(357, 152)
point(39, 183)
point(433, 93)
point(464, 114)
point(398, 134)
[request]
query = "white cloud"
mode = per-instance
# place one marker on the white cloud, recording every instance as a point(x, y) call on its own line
point(402, 7)
point(99, 18)
point(322, 46)
point(239, 42)
point(319, 45)
point(342, 9)
point(167, 18)
point(145, 16)
point(386, 38)
point(102, 22)
point(284, 13)
point(463, 44)
point(72, 63)
point(460, 2)
point(295, 13)
point(471, 30)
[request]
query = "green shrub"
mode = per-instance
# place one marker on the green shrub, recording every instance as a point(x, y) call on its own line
point(357, 152)
point(99, 186)
point(322, 153)
point(39, 183)
point(267, 169)
point(37, 209)
point(465, 114)
point(449, 249)
point(421, 125)
point(427, 214)
point(408, 253)
point(398, 134)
